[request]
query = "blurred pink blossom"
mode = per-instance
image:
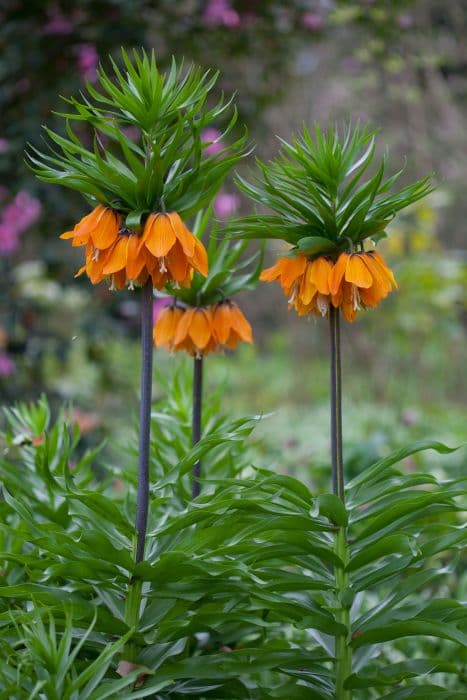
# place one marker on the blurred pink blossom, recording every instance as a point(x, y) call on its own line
point(88, 61)
point(226, 204)
point(7, 366)
point(4, 146)
point(158, 304)
point(221, 13)
point(212, 135)
point(58, 24)
point(312, 21)
point(17, 216)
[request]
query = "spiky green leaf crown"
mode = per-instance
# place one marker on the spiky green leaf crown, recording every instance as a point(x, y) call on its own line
point(167, 167)
point(321, 202)
point(230, 271)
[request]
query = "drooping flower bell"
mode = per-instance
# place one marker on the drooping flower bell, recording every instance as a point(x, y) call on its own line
point(166, 251)
point(360, 280)
point(201, 330)
point(304, 281)
point(354, 281)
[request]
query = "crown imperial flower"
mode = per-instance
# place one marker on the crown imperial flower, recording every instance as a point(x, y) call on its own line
point(166, 251)
point(201, 330)
point(355, 281)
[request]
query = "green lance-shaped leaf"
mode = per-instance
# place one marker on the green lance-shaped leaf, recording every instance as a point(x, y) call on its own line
point(320, 199)
point(167, 166)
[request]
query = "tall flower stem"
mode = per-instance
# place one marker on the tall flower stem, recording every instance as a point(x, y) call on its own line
point(196, 420)
point(142, 499)
point(336, 403)
point(133, 601)
point(343, 650)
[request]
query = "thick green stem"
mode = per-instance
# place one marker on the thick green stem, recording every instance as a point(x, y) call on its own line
point(196, 420)
point(343, 650)
point(133, 600)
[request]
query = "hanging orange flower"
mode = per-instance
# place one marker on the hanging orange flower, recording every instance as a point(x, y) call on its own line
point(174, 248)
point(201, 330)
point(354, 281)
point(359, 280)
point(99, 228)
point(304, 281)
point(166, 251)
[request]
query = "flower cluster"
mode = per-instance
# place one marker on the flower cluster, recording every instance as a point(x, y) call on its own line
point(166, 251)
point(200, 330)
point(352, 282)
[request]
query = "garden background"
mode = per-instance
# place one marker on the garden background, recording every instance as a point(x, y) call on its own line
point(399, 65)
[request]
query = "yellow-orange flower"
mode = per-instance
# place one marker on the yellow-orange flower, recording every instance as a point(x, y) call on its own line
point(166, 251)
point(354, 281)
point(305, 282)
point(174, 248)
point(201, 330)
point(99, 228)
point(359, 280)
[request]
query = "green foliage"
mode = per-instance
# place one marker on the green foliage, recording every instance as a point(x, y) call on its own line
point(320, 201)
point(239, 592)
point(167, 168)
point(230, 272)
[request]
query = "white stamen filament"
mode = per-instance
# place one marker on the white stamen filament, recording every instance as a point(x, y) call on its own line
point(322, 304)
point(162, 267)
point(294, 294)
point(355, 296)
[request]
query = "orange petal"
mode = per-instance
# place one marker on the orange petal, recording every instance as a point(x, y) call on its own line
point(135, 258)
point(222, 322)
point(337, 273)
point(177, 263)
point(270, 273)
point(117, 256)
point(318, 273)
point(166, 325)
point(200, 258)
point(357, 273)
point(106, 228)
point(307, 287)
point(241, 325)
point(184, 235)
point(183, 326)
point(376, 257)
point(159, 236)
point(200, 328)
point(291, 270)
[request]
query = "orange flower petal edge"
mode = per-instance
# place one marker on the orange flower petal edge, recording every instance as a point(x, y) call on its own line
point(352, 282)
point(201, 330)
point(166, 251)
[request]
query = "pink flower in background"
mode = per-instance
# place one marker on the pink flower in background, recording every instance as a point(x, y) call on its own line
point(4, 146)
point(226, 204)
point(158, 304)
point(221, 13)
point(7, 366)
point(212, 135)
point(312, 21)
point(88, 61)
point(58, 24)
point(17, 216)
